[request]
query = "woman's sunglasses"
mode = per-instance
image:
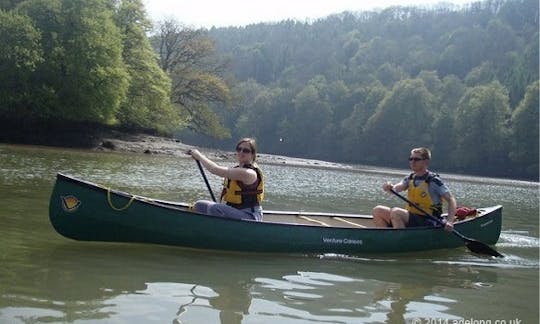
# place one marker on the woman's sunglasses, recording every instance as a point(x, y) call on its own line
point(243, 150)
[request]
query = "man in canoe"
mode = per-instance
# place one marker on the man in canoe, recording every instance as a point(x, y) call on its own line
point(425, 189)
point(243, 188)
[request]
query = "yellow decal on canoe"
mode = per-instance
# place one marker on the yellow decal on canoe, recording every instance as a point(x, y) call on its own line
point(70, 203)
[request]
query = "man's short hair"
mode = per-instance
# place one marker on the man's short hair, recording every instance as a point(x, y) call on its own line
point(424, 152)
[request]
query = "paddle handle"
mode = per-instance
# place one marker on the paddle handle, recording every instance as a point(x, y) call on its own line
point(206, 180)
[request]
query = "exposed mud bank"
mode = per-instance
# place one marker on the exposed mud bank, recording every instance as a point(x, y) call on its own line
point(140, 143)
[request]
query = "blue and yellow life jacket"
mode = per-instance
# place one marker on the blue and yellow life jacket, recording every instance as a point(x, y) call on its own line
point(239, 195)
point(419, 194)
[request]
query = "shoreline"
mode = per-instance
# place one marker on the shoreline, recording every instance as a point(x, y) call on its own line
point(150, 144)
point(140, 143)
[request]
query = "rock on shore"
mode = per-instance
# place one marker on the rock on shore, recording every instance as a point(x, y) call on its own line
point(147, 144)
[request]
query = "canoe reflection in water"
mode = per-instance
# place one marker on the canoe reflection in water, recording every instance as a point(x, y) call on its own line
point(142, 283)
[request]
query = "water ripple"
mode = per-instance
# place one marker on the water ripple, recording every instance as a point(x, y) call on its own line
point(519, 239)
point(509, 262)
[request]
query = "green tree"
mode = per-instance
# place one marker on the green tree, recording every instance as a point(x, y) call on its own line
point(20, 54)
point(444, 135)
point(9, 4)
point(306, 126)
point(263, 107)
point(501, 39)
point(481, 123)
point(463, 50)
point(432, 82)
point(83, 77)
point(482, 74)
point(389, 74)
point(403, 120)
point(148, 101)
point(198, 84)
point(525, 133)
point(354, 143)
point(515, 75)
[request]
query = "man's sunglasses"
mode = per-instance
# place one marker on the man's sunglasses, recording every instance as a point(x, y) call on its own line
point(416, 159)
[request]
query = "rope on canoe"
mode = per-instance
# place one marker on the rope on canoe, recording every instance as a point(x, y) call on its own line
point(116, 208)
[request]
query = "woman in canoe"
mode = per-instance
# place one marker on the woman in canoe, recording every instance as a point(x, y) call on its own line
point(425, 189)
point(243, 188)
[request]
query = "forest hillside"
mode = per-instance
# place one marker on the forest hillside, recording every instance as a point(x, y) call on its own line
point(366, 87)
point(355, 87)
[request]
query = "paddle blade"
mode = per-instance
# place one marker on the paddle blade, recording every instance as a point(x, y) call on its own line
point(481, 248)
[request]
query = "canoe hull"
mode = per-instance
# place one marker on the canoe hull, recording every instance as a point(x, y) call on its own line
point(85, 211)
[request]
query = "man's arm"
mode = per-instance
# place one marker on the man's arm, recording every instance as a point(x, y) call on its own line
point(452, 207)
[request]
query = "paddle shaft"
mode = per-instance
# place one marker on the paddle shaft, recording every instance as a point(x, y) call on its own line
point(440, 222)
point(206, 180)
point(473, 245)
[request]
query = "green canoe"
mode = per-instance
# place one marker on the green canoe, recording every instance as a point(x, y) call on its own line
point(85, 211)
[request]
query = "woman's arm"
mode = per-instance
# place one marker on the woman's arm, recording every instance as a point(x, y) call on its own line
point(247, 176)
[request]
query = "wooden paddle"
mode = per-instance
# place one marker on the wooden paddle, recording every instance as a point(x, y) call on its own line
point(473, 245)
point(206, 180)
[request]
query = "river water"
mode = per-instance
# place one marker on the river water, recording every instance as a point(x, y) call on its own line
point(46, 278)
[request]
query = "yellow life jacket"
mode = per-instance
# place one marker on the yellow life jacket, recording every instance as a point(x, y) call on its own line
point(420, 195)
point(239, 195)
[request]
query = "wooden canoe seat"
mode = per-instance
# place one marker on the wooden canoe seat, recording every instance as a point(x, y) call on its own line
point(313, 220)
point(348, 222)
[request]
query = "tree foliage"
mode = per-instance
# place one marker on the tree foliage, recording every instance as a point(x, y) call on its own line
point(20, 54)
point(87, 61)
point(147, 104)
point(198, 85)
point(402, 120)
point(366, 87)
point(361, 87)
point(524, 152)
point(480, 124)
point(82, 77)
